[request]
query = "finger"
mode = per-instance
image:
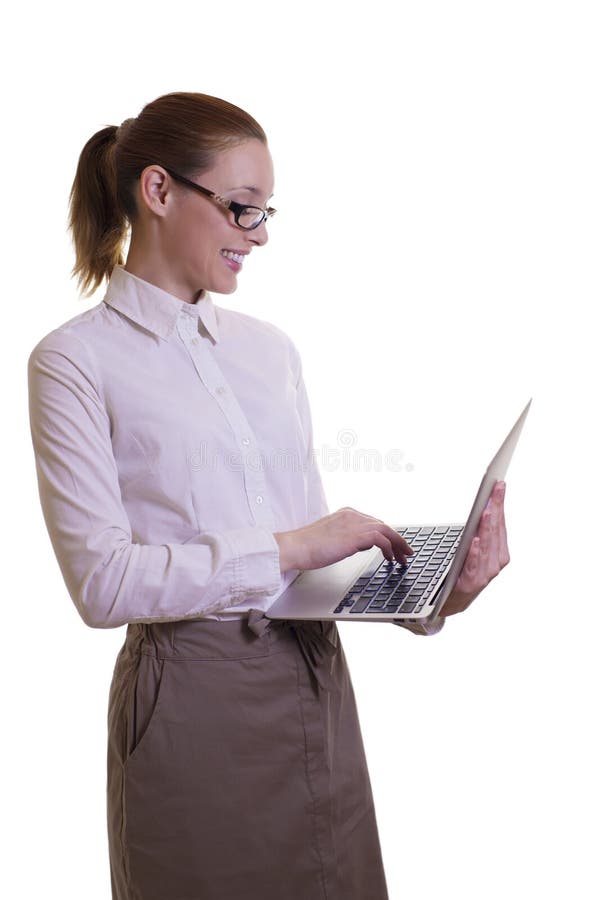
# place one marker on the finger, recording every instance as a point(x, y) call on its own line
point(498, 554)
point(490, 548)
point(396, 545)
point(484, 533)
point(504, 555)
point(377, 539)
point(496, 496)
point(470, 570)
point(474, 557)
point(402, 548)
point(493, 558)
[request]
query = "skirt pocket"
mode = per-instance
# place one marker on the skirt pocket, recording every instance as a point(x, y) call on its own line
point(145, 705)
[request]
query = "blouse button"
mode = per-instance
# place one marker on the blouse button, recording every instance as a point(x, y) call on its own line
point(259, 499)
point(245, 441)
point(195, 340)
point(221, 389)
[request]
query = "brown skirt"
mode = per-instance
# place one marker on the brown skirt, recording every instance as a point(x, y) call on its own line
point(236, 768)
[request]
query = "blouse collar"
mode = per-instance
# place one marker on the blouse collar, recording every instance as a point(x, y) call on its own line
point(155, 309)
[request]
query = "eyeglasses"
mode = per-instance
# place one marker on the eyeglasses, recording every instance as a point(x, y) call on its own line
point(246, 217)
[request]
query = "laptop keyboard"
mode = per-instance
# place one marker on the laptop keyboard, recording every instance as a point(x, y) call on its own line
point(389, 587)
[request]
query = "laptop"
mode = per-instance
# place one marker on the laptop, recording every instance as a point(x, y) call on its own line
point(366, 587)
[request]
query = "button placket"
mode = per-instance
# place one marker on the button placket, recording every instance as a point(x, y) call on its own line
point(214, 381)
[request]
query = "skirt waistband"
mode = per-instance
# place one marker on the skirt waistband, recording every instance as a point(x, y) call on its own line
point(256, 635)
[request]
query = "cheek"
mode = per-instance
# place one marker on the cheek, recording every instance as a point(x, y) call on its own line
point(198, 245)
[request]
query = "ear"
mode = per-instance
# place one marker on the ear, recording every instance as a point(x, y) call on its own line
point(155, 190)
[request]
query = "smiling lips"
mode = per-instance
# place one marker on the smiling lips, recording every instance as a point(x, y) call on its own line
point(236, 255)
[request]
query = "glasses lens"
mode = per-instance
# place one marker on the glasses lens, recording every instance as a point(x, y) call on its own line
point(251, 217)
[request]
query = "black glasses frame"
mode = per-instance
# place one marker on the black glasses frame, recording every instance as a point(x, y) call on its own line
point(236, 208)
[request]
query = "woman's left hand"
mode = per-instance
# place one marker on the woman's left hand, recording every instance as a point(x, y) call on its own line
point(487, 555)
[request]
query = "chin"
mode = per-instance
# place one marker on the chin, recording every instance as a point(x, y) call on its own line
point(224, 289)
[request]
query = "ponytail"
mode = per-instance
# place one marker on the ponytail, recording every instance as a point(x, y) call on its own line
point(98, 225)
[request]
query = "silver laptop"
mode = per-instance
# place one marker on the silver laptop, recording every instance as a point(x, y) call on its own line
point(368, 587)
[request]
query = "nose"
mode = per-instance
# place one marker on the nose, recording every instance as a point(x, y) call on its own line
point(259, 236)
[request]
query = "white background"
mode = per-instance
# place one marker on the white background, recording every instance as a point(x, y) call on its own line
point(435, 258)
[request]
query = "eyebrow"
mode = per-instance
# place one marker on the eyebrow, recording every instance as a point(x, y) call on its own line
point(246, 187)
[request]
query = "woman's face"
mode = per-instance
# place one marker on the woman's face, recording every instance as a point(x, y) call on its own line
point(195, 231)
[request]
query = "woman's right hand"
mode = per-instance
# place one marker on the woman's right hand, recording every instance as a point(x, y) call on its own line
point(336, 536)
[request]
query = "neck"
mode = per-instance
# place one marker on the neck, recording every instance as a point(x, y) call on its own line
point(151, 266)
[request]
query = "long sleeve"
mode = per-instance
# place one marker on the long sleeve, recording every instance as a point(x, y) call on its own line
point(111, 579)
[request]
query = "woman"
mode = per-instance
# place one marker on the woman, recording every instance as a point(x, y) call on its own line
point(235, 762)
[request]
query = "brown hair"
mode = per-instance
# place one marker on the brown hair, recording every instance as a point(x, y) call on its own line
point(182, 131)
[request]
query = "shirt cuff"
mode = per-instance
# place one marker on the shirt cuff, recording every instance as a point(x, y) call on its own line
point(256, 564)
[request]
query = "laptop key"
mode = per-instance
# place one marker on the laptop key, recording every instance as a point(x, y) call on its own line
point(407, 607)
point(360, 605)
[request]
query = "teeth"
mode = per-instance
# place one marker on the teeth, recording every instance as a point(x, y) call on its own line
point(237, 257)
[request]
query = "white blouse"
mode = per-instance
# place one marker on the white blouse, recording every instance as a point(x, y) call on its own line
point(171, 440)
